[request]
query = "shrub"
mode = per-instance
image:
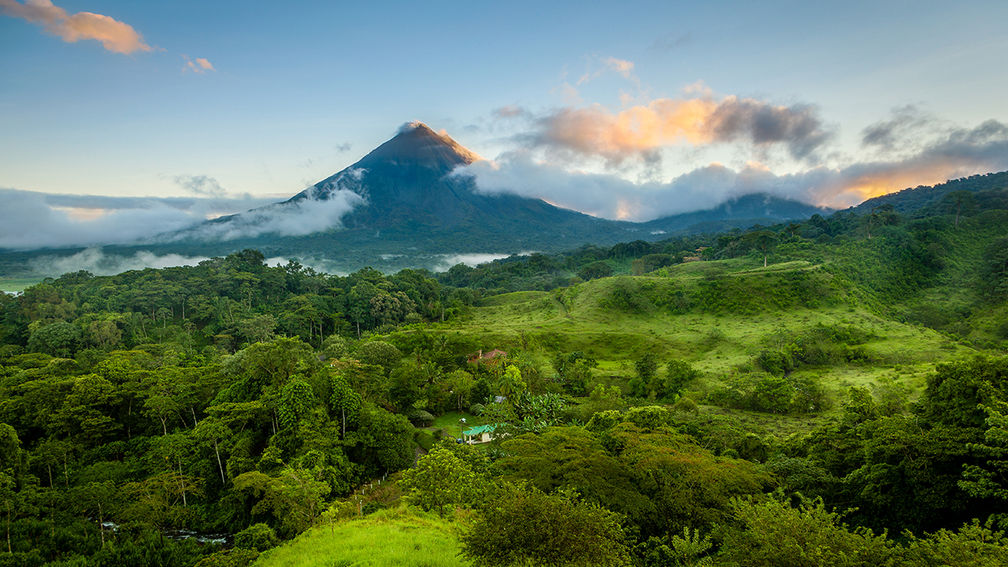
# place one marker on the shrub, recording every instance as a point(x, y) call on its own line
point(420, 418)
point(771, 394)
point(259, 537)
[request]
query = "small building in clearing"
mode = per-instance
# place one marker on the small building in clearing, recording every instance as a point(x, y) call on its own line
point(491, 358)
point(479, 434)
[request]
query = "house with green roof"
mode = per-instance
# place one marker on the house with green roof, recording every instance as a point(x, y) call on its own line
point(479, 434)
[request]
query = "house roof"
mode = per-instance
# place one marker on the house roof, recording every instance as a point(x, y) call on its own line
point(479, 430)
point(486, 356)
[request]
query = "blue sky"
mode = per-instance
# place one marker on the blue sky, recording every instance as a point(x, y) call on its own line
point(288, 93)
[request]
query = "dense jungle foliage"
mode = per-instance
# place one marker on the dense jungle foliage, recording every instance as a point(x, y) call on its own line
point(827, 392)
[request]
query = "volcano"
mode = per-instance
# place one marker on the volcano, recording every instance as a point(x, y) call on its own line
point(407, 184)
point(404, 204)
point(404, 195)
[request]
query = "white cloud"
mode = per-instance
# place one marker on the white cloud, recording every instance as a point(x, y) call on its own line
point(291, 218)
point(99, 263)
point(44, 220)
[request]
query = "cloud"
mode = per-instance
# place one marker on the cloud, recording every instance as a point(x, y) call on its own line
point(956, 153)
point(203, 185)
point(510, 111)
point(99, 263)
point(641, 131)
point(199, 65)
point(621, 67)
point(443, 262)
point(905, 121)
point(31, 220)
point(115, 36)
point(290, 218)
point(671, 42)
point(797, 126)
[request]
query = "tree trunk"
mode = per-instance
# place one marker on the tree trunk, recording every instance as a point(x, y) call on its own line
point(49, 468)
point(8, 527)
point(101, 524)
point(219, 465)
point(182, 483)
point(764, 260)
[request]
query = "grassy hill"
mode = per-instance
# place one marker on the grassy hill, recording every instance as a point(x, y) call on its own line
point(718, 316)
point(399, 536)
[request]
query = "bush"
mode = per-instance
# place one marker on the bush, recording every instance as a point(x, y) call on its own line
point(595, 270)
point(235, 557)
point(772, 533)
point(420, 418)
point(259, 537)
point(771, 394)
point(525, 526)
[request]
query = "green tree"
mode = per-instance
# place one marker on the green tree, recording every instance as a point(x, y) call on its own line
point(959, 201)
point(379, 353)
point(212, 431)
point(157, 501)
point(296, 401)
point(643, 385)
point(460, 385)
point(258, 329)
point(345, 402)
point(773, 534)
point(678, 373)
point(513, 385)
point(761, 240)
point(989, 478)
point(440, 479)
point(524, 526)
point(60, 339)
point(595, 270)
point(294, 497)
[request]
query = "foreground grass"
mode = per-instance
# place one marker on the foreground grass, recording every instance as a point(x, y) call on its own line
point(397, 536)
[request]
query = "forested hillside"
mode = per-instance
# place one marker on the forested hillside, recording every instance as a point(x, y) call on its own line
point(829, 392)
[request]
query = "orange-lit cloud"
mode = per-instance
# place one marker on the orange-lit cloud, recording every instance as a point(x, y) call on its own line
point(621, 67)
point(947, 154)
point(114, 35)
point(198, 65)
point(642, 130)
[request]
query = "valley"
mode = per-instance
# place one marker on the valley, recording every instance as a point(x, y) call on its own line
point(728, 385)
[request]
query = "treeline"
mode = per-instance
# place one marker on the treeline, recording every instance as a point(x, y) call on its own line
point(549, 271)
point(228, 302)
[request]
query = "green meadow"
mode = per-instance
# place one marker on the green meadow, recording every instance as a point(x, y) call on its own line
point(394, 536)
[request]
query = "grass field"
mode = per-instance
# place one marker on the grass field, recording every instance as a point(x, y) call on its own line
point(581, 318)
point(400, 536)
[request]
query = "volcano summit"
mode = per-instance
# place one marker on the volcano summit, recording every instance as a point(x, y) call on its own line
point(405, 205)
